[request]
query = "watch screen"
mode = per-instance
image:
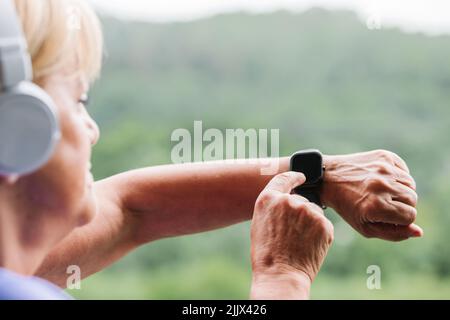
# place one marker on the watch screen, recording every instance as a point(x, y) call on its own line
point(310, 164)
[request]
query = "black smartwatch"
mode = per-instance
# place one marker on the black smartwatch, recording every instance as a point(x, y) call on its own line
point(310, 163)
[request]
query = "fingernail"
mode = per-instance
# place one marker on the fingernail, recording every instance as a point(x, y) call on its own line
point(418, 232)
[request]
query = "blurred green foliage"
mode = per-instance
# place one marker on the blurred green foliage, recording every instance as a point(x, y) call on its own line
point(326, 82)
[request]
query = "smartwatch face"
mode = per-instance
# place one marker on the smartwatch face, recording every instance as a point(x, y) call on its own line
point(310, 164)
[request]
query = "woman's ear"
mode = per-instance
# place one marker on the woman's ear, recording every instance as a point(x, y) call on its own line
point(11, 179)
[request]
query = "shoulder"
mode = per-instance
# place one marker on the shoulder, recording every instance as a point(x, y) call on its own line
point(17, 287)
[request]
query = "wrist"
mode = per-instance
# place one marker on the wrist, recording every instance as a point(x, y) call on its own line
point(280, 283)
point(327, 191)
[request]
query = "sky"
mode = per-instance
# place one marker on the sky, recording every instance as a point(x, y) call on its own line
point(428, 16)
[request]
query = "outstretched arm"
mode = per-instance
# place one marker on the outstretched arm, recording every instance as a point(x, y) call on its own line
point(144, 205)
point(372, 191)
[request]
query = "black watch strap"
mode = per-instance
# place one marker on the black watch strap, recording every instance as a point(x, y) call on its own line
point(311, 194)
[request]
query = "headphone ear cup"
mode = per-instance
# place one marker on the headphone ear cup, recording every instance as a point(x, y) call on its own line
point(29, 129)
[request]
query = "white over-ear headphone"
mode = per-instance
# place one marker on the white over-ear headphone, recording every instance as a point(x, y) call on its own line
point(29, 128)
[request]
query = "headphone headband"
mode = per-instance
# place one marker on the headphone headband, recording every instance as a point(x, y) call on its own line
point(15, 61)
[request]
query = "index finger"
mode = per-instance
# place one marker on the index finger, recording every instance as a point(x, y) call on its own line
point(286, 181)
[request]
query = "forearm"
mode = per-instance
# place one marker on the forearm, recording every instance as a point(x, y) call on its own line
point(280, 286)
point(182, 199)
point(174, 200)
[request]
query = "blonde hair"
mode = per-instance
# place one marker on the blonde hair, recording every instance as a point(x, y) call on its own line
point(59, 31)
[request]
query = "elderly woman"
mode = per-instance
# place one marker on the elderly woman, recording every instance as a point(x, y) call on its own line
point(56, 216)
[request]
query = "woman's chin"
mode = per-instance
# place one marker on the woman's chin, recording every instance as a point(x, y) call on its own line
point(90, 210)
point(89, 180)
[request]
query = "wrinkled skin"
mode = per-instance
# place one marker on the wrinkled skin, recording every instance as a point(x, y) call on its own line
point(374, 192)
point(290, 238)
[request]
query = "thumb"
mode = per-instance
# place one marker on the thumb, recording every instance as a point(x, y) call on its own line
point(286, 181)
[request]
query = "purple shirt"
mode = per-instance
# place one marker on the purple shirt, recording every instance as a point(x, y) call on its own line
point(14, 286)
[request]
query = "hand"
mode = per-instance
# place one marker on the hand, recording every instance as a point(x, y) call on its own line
point(290, 238)
point(374, 193)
